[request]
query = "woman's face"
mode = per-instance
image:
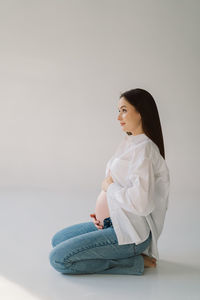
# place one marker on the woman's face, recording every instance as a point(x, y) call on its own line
point(129, 118)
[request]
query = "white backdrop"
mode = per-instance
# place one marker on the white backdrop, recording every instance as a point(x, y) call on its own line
point(63, 65)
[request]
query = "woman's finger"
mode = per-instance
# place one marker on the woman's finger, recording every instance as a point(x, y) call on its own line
point(99, 226)
point(93, 216)
point(94, 220)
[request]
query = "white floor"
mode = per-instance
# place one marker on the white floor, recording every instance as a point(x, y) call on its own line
point(29, 218)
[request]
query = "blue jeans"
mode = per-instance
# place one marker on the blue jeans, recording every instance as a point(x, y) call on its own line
point(84, 249)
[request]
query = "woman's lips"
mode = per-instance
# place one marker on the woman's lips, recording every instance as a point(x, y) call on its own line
point(122, 124)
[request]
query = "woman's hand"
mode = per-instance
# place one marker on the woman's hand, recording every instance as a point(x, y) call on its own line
point(106, 182)
point(96, 222)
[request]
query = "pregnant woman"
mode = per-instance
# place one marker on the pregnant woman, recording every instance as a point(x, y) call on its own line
point(131, 207)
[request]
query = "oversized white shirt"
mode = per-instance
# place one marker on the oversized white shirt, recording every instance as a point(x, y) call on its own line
point(138, 197)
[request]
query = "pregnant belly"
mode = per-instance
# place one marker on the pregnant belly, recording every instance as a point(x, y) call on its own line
point(102, 210)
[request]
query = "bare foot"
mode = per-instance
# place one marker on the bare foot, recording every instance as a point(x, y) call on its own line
point(149, 262)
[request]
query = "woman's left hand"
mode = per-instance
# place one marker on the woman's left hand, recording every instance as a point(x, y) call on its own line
point(106, 182)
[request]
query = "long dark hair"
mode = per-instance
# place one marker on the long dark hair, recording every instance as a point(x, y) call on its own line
point(145, 104)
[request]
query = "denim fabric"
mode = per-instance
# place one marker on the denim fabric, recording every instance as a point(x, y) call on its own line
point(107, 223)
point(84, 249)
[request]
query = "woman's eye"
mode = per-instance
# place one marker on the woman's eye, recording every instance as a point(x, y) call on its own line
point(123, 110)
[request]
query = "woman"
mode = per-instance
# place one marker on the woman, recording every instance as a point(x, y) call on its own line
point(130, 210)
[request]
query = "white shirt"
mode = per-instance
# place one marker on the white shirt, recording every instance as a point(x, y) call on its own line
point(138, 197)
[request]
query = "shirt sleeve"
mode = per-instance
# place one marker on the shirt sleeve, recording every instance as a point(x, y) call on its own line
point(139, 197)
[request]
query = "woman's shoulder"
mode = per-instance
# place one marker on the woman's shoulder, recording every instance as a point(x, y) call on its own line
point(160, 164)
point(148, 149)
point(143, 149)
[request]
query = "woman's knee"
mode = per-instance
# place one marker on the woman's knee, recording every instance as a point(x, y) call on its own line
point(72, 231)
point(61, 236)
point(59, 263)
point(55, 240)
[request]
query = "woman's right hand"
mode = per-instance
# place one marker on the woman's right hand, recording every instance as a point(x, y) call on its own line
point(96, 222)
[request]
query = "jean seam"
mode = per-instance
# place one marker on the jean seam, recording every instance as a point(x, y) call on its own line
point(66, 259)
point(134, 248)
point(86, 248)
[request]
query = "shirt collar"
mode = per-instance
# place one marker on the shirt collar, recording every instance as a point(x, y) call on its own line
point(134, 139)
